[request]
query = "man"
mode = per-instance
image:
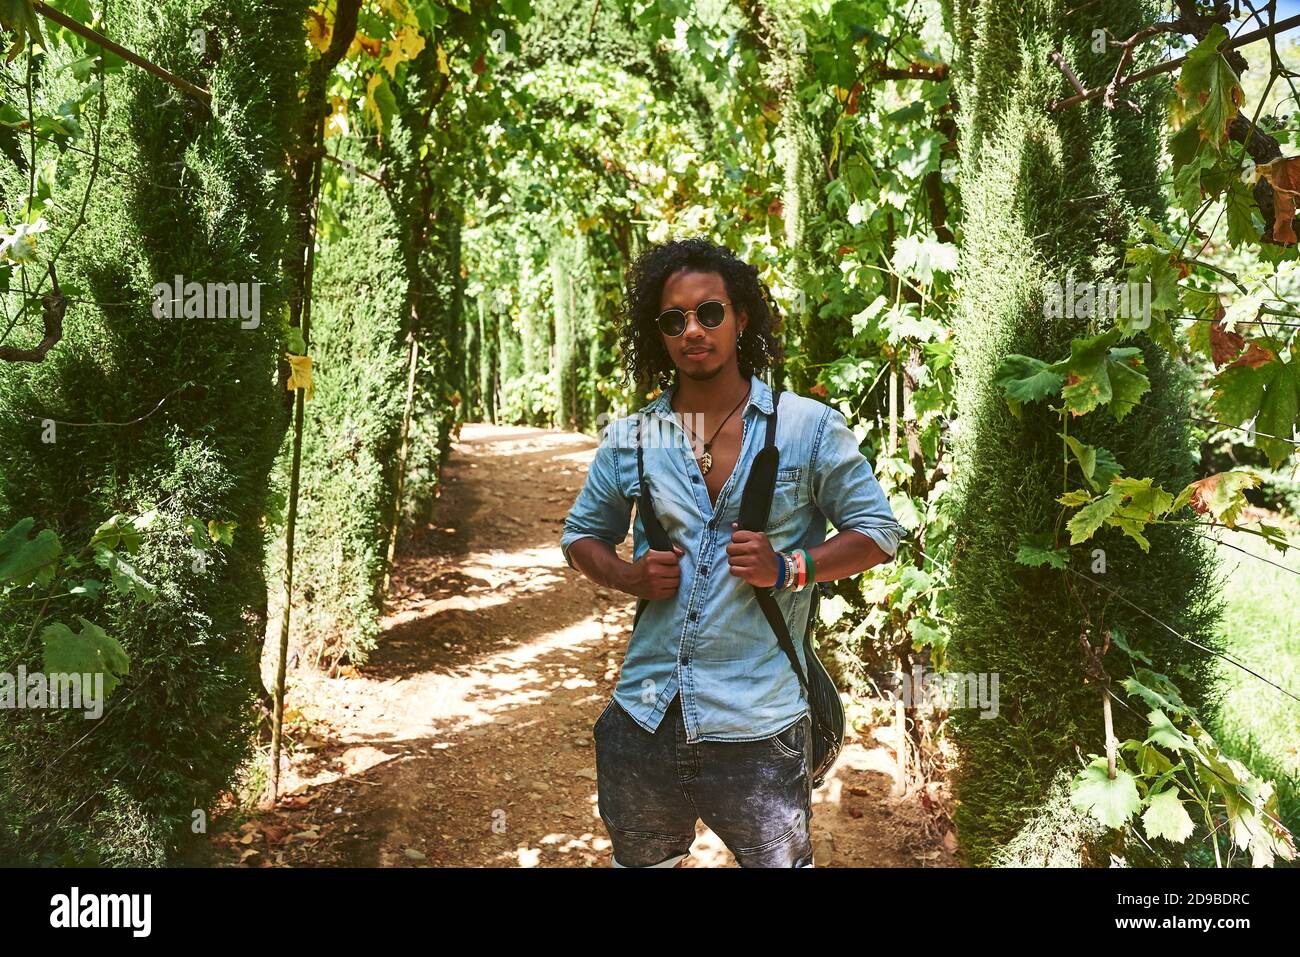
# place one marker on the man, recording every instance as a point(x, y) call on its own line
point(708, 719)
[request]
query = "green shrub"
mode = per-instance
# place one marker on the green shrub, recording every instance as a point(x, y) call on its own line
point(1046, 194)
point(182, 190)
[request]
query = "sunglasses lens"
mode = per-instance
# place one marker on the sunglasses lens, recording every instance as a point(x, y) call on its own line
point(672, 322)
point(711, 313)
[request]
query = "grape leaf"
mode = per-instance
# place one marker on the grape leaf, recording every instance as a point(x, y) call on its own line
point(1036, 550)
point(117, 532)
point(1269, 392)
point(1278, 410)
point(300, 375)
point(1091, 517)
point(1207, 96)
point(1110, 802)
point(1156, 690)
point(126, 579)
point(1026, 379)
point(91, 652)
point(20, 17)
point(23, 559)
point(1167, 817)
point(1100, 374)
point(1283, 174)
point(1099, 466)
point(1166, 734)
point(1121, 642)
point(1221, 496)
point(1141, 502)
point(1240, 206)
point(381, 104)
point(920, 257)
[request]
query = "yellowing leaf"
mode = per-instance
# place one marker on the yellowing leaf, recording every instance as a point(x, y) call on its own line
point(369, 44)
point(1221, 496)
point(318, 31)
point(337, 123)
point(380, 102)
point(442, 61)
point(300, 375)
point(402, 47)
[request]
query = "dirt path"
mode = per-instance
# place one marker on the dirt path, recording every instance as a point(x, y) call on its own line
point(466, 740)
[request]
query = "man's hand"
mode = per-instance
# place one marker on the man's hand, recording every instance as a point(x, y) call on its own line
point(654, 575)
point(751, 557)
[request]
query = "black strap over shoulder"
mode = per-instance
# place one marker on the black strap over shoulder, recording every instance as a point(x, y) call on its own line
point(755, 509)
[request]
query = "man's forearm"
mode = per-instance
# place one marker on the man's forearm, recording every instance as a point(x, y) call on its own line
point(845, 553)
point(599, 562)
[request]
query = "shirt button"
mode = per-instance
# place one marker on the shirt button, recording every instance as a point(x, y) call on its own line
point(695, 479)
point(693, 615)
point(704, 569)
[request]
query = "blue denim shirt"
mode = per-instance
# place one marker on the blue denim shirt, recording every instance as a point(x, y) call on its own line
point(710, 640)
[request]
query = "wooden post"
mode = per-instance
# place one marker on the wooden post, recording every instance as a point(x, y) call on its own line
point(900, 736)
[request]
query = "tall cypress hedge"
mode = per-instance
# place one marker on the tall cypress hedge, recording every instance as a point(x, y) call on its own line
point(389, 279)
point(183, 190)
point(1046, 194)
point(351, 427)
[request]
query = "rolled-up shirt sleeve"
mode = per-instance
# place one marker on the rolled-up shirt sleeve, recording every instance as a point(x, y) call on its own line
point(845, 488)
point(601, 509)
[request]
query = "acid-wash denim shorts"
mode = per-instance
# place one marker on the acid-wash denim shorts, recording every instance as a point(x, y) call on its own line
point(651, 788)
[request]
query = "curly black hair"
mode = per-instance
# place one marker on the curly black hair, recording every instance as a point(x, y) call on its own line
point(643, 350)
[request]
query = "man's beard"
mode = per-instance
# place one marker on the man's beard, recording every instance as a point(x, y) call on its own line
point(702, 375)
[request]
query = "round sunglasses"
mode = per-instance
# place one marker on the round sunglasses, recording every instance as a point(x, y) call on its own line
point(710, 313)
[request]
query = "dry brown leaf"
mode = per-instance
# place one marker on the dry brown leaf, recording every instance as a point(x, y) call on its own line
point(1255, 357)
point(1225, 345)
point(1204, 490)
point(1283, 174)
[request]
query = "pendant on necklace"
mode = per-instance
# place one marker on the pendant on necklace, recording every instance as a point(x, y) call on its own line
point(706, 463)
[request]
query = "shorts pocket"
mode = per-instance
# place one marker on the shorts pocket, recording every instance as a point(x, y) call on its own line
point(790, 741)
point(603, 715)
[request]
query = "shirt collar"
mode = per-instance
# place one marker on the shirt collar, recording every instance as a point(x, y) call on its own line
point(760, 397)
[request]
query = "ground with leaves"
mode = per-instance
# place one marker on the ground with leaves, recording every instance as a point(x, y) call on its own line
point(466, 740)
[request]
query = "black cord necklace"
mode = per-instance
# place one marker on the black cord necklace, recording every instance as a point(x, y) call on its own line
point(706, 461)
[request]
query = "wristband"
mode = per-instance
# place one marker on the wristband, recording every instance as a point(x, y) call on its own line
point(780, 571)
point(812, 569)
point(800, 570)
point(789, 570)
